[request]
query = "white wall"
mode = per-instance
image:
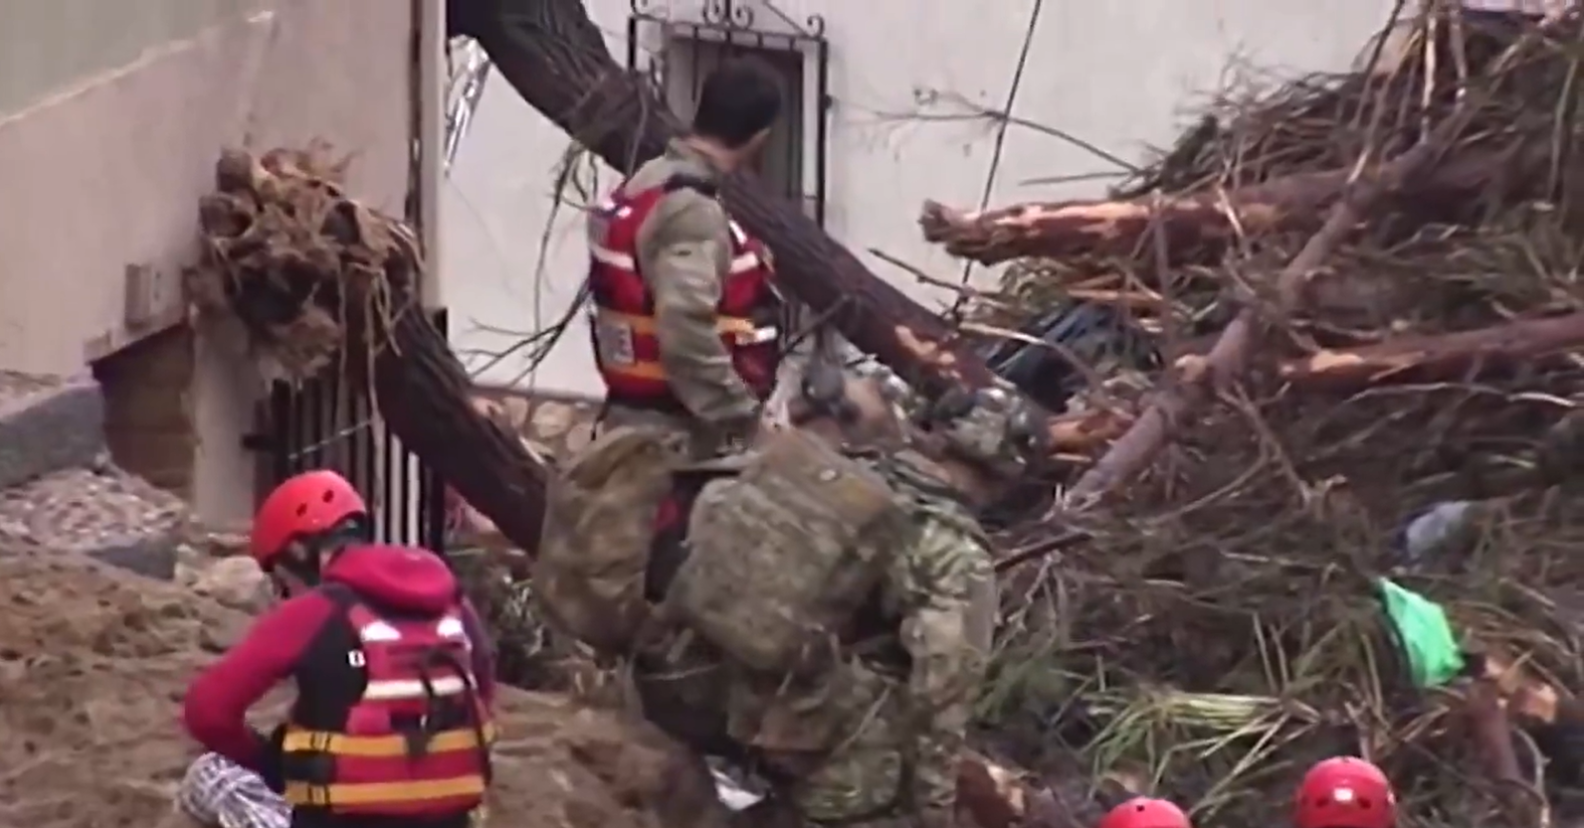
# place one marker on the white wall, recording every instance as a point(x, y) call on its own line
point(1117, 75)
point(109, 130)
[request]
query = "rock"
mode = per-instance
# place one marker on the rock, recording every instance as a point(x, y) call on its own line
point(108, 515)
point(237, 583)
point(48, 424)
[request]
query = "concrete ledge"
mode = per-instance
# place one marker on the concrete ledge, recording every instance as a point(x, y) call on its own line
point(47, 424)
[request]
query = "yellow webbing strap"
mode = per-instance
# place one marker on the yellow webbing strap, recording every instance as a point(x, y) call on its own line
point(367, 793)
point(645, 325)
point(317, 741)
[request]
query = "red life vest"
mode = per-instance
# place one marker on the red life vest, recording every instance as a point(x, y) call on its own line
point(623, 312)
point(395, 725)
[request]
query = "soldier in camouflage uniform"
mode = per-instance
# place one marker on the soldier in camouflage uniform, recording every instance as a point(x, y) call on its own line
point(875, 740)
point(685, 318)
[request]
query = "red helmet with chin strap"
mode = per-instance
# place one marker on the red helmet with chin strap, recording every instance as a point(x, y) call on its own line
point(1345, 792)
point(305, 505)
point(1145, 812)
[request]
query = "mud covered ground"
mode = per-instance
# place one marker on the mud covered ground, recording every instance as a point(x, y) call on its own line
point(93, 664)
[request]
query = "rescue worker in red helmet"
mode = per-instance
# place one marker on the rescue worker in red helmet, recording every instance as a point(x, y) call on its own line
point(391, 725)
point(1345, 792)
point(686, 321)
point(1145, 812)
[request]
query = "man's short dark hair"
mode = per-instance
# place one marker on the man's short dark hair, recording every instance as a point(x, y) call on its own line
point(739, 100)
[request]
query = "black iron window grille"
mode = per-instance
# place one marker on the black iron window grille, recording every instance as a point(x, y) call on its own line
point(677, 53)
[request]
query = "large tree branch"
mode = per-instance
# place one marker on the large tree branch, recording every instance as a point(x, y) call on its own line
point(1436, 357)
point(1201, 227)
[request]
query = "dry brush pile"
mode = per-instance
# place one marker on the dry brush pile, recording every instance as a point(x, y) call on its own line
point(1222, 629)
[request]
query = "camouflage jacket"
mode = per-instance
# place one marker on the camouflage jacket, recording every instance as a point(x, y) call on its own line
point(940, 593)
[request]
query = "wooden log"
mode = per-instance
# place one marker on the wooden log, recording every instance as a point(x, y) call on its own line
point(556, 59)
point(1201, 227)
point(424, 397)
point(1430, 358)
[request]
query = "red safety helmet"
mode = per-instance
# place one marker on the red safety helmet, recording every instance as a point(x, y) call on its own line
point(1345, 792)
point(1145, 812)
point(307, 504)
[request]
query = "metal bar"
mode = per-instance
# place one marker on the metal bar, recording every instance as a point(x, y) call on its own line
point(280, 424)
point(822, 106)
point(366, 458)
point(412, 498)
point(311, 419)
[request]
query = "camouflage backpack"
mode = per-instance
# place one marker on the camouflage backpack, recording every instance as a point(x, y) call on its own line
point(782, 556)
point(600, 514)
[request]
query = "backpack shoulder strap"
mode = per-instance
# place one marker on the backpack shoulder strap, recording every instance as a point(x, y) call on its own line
point(702, 186)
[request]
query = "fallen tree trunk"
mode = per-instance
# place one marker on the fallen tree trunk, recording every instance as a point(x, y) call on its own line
point(556, 59)
point(1200, 228)
point(1431, 358)
point(314, 276)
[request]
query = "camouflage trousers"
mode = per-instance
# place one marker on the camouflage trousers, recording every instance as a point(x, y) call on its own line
point(864, 784)
point(872, 779)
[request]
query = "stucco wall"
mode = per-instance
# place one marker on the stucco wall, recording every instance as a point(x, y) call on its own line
point(111, 117)
point(1117, 75)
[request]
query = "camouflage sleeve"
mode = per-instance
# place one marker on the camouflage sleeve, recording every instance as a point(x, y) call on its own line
point(942, 590)
point(684, 252)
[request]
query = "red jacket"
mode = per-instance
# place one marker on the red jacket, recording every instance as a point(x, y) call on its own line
point(321, 640)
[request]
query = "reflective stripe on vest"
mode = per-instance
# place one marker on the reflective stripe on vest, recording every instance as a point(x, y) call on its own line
point(623, 326)
point(387, 761)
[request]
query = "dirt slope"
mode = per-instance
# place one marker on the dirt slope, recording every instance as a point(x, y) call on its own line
point(93, 663)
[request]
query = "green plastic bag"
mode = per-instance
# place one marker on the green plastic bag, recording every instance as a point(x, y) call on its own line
point(1424, 634)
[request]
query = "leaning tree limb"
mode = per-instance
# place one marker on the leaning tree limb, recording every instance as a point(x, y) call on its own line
point(556, 59)
point(1201, 227)
point(314, 276)
point(1434, 357)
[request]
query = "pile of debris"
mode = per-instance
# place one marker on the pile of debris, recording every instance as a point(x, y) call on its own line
point(1224, 624)
point(111, 600)
point(92, 671)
